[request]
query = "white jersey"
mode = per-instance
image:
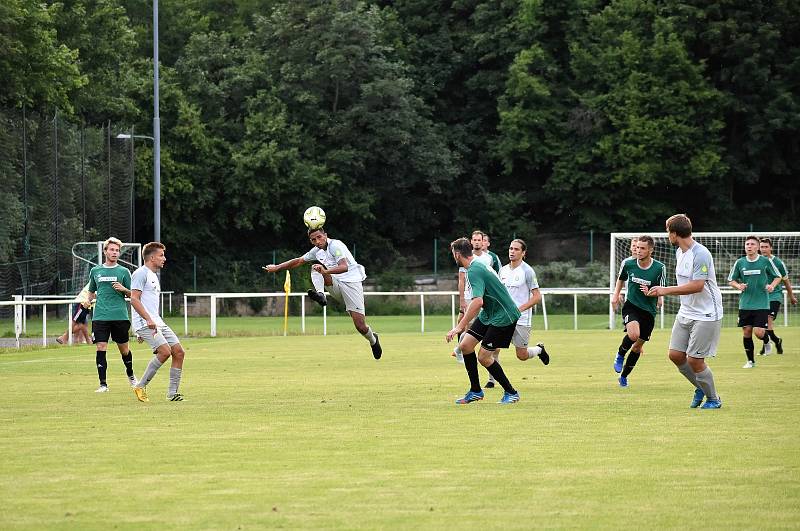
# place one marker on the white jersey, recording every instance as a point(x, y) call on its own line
point(331, 256)
point(698, 264)
point(485, 259)
point(144, 280)
point(519, 282)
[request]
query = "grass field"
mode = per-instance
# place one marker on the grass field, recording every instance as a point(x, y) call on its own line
point(311, 432)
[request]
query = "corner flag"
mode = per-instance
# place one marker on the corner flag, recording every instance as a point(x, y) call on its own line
point(287, 288)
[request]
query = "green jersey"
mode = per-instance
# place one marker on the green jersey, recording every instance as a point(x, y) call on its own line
point(777, 295)
point(756, 275)
point(499, 309)
point(496, 265)
point(111, 305)
point(653, 275)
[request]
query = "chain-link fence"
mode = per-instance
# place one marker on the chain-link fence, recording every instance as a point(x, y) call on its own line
point(60, 182)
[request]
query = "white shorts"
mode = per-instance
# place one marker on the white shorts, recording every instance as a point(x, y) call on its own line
point(350, 293)
point(698, 339)
point(164, 336)
point(522, 334)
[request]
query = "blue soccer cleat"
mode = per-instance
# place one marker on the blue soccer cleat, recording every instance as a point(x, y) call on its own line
point(699, 395)
point(712, 404)
point(509, 398)
point(471, 396)
point(623, 381)
point(618, 363)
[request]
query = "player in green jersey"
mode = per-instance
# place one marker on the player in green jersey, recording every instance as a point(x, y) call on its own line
point(776, 297)
point(755, 277)
point(497, 317)
point(639, 310)
point(109, 283)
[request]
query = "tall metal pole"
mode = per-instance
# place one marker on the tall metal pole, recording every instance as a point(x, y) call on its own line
point(156, 134)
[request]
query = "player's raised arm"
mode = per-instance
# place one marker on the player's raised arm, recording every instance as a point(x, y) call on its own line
point(289, 264)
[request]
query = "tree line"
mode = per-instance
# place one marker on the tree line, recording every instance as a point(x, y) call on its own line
point(413, 119)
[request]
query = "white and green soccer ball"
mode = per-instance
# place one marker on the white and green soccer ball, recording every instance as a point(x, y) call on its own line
point(314, 217)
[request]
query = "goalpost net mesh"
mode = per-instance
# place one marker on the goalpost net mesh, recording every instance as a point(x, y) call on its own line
point(726, 248)
point(86, 255)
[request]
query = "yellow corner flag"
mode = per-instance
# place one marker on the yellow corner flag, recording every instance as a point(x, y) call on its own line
point(287, 288)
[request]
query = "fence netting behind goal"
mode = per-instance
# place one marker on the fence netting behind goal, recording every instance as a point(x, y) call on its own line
point(726, 248)
point(61, 182)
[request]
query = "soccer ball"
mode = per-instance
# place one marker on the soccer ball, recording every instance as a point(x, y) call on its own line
point(314, 217)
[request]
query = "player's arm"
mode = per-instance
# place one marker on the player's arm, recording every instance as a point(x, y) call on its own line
point(473, 309)
point(121, 288)
point(289, 264)
point(535, 298)
point(615, 296)
point(693, 286)
point(340, 267)
point(136, 302)
point(461, 285)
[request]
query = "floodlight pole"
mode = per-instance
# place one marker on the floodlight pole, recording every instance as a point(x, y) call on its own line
point(156, 134)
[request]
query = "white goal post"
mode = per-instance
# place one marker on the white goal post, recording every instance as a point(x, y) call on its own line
point(726, 248)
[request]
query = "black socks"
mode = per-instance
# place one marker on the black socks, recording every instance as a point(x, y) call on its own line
point(100, 359)
point(127, 359)
point(630, 363)
point(749, 348)
point(497, 373)
point(626, 345)
point(471, 364)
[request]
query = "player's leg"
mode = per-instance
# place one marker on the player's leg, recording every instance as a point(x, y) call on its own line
point(703, 342)
point(490, 383)
point(520, 339)
point(494, 338)
point(161, 351)
point(352, 294)
point(176, 370)
point(626, 343)
point(469, 340)
point(745, 321)
point(678, 345)
point(102, 332)
point(640, 328)
point(119, 333)
point(319, 281)
point(774, 310)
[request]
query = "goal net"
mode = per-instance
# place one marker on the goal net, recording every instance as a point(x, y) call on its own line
point(86, 255)
point(726, 248)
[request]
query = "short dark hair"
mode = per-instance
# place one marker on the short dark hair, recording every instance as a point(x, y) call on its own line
point(312, 231)
point(752, 237)
point(150, 249)
point(521, 243)
point(766, 240)
point(647, 239)
point(462, 246)
point(680, 224)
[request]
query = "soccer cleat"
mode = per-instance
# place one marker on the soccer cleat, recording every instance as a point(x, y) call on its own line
point(623, 381)
point(471, 396)
point(177, 397)
point(509, 398)
point(489, 385)
point(699, 395)
point(761, 352)
point(141, 394)
point(749, 365)
point(618, 363)
point(102, 389)
point(317, 297)
point(712, 404)
point(767, 349)
point(458, 355)
point(543, 355)
point(59, 341)
point(377, 351)
point(779, 345)
point(134, 382)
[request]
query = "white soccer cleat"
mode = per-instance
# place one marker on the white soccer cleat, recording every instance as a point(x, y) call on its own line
point(134, 382)
point(768, 349)
point(458, 355)
point(101, 389)
point(749, 365)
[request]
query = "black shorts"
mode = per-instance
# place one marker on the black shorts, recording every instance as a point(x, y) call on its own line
point(646, 320)
point(118, 330)
point(81, 314)
point(492, 337)
point(755, 318)
point(774, 309)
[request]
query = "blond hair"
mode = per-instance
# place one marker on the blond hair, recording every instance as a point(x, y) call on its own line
point(110, 241)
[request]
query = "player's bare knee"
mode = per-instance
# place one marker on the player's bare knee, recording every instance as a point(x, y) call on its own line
point(485, 357)
point(678, 358)
point(522, 354)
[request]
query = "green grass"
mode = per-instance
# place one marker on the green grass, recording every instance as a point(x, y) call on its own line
point(311, 432)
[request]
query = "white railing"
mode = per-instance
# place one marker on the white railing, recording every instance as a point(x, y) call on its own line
point(19, 305)
point(214, 297)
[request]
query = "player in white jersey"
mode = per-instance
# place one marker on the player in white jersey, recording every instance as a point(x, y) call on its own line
point(464, 289)
point(150, 327)
point(335, 268)
point(520, 280)
point(697, 327)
